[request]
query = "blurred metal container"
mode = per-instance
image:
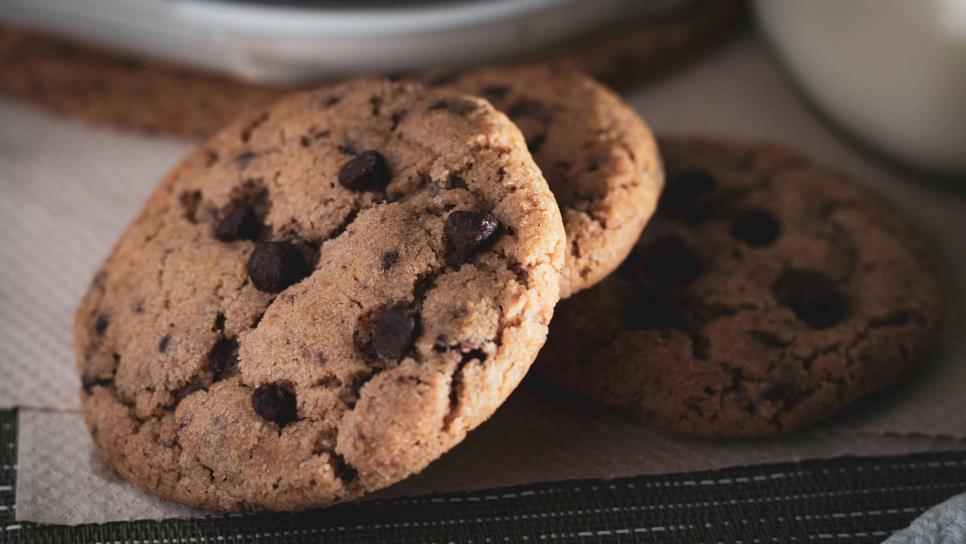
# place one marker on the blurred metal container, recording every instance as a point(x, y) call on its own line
point(288, 41)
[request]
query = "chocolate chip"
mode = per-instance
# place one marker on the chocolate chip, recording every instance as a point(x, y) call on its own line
point(100, 323)
point(239, 223)
point(368, 171)
point(275, 402)
point(163, 344)
point(494, 92)
point(393, 333)
point(755, 226)
point(686, 195)
point(534, 143)
point(652, 309)
point(670, 261)
point(457, 182)
point(273, 266)
point(812, 296)
point(467, 232)
point(389, 259)
point(531, 109)
point(342, 470)
point(459, 106)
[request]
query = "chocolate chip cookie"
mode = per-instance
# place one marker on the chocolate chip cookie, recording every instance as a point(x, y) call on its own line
point(766, 295)
point(324, 298)
point(596, 153)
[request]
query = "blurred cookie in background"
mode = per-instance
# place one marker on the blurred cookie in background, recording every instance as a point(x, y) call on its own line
point(106, 85)
point(766, 295)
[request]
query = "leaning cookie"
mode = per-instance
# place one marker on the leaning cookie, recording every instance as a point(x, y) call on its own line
point(324, 298)
point(596, 153)
point(767, 294)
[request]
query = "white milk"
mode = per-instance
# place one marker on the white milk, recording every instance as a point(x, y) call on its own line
point(892, 72)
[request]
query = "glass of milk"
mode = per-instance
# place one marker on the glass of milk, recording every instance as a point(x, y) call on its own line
point(890, 72)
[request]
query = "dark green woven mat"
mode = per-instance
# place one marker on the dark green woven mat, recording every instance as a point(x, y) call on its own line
point(843, 500)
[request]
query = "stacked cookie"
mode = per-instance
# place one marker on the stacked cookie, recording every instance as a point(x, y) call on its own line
point(766, 294)
point(332, 291)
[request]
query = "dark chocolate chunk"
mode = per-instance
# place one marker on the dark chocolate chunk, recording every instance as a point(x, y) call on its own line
point(468, 232)
point(670, 261)
point(812, 296)
point(531, 109)
point(342, 470)
point(163, 344)
point(755, 226)
point(686, 195)
point(534, 143)
point(652, 309)
point(273, 266)
point(275, 402)
point(367, 171)
point(389, 259)
point(239, 223)
point(393, 333)
point(494, 92)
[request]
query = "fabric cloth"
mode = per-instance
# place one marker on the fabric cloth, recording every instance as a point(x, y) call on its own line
point(943, 524)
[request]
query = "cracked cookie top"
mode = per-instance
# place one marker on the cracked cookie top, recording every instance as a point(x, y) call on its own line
point(321, 300)
point(766, 294)
point(598, 156)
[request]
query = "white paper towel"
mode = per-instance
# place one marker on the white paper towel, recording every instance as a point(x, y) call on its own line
point(67, 190)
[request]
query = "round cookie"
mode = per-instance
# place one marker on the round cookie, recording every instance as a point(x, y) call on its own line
point(766, 294)
point(321, 300)
point(596, 153)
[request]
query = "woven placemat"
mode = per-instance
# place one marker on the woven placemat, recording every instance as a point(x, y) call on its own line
point(841, 500)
